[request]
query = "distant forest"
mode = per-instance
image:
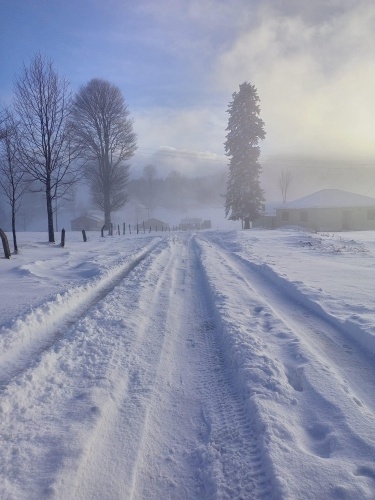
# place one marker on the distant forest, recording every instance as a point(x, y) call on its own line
point(175, 191)
point(179, 192)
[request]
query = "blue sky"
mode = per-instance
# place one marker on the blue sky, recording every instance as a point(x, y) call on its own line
point(178, 62)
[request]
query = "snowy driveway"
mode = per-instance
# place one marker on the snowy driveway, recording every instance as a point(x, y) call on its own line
point(184, 366)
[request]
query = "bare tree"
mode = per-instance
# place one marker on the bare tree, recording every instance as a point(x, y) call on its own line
point(284, 182)
point(42, 102)
point(104, 132)
point(3, 114)
point(12, 175)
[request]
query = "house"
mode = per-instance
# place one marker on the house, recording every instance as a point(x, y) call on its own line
point(329, 210)
point(267, 217)
point(155, 225)
point(87, 222)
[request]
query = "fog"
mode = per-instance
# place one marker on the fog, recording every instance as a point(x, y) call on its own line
point(309, 174)
point(177, 192)
point(174, 192)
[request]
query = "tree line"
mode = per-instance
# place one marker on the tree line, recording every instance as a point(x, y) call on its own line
point(51, 138)
point(177, 191)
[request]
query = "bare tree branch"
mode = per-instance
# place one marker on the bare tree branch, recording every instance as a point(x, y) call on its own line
point(104, 134)
point(284, 182)
point(13, 180)
point(46, 151)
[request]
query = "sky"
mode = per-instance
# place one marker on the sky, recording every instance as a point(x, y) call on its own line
point(178, 63)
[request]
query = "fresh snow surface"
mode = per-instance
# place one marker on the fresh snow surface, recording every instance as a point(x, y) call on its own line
point(217, 364)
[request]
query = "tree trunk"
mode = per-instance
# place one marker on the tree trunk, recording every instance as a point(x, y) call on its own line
point(14, 230)
point(247, 223)
point(107, 211)
point(51, 234)
point(107, 220)
point(4, 240)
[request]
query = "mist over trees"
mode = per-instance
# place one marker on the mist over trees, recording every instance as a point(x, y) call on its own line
point(45, 149)
point(150, 175)
point(179, 192)
point(104, 134)
point(245, 128)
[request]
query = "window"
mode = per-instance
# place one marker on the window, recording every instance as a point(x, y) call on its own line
point(304, 216)
point(285, 216)
point(371, 214)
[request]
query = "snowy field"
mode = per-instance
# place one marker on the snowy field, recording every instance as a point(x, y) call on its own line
point(217, 364)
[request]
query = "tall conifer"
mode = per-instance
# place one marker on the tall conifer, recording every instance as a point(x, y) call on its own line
point(244, 195)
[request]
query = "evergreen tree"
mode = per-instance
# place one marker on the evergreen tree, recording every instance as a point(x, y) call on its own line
point(244, 195)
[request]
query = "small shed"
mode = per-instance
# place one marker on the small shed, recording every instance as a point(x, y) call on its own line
point(155, 225)
point(329, 210)
point(87, 222)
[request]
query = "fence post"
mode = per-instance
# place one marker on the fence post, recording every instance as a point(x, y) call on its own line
point(144, 230)
point(103, 231)
point(62, 237)
point(118, 229)
point(123, 228)
point(5, 244)
point(84, 235)
point(130, 229)
point(137, 229)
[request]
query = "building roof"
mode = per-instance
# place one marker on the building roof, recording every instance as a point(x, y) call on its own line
point(91, 217)
point(330, 198)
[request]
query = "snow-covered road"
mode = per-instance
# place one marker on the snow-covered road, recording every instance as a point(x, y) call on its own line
point(184, 366)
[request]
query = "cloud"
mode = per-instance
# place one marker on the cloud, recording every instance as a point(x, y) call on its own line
point(314, 74)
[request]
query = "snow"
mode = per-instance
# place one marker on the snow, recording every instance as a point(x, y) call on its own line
point(215, 364)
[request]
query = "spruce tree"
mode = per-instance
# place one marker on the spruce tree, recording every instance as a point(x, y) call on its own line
point(244, 195)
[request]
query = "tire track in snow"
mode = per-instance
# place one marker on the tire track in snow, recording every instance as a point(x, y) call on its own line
point(331, 378)
point(22, 344)
point(52, 412)
point(114, 452)
point(234, 459)
point(234, 466)
point(175, 427)
point(165, 467)
point(316, 330)
point(201, 443)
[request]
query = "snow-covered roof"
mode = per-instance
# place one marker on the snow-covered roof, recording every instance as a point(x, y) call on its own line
point(87, 216)
point(331, 198)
